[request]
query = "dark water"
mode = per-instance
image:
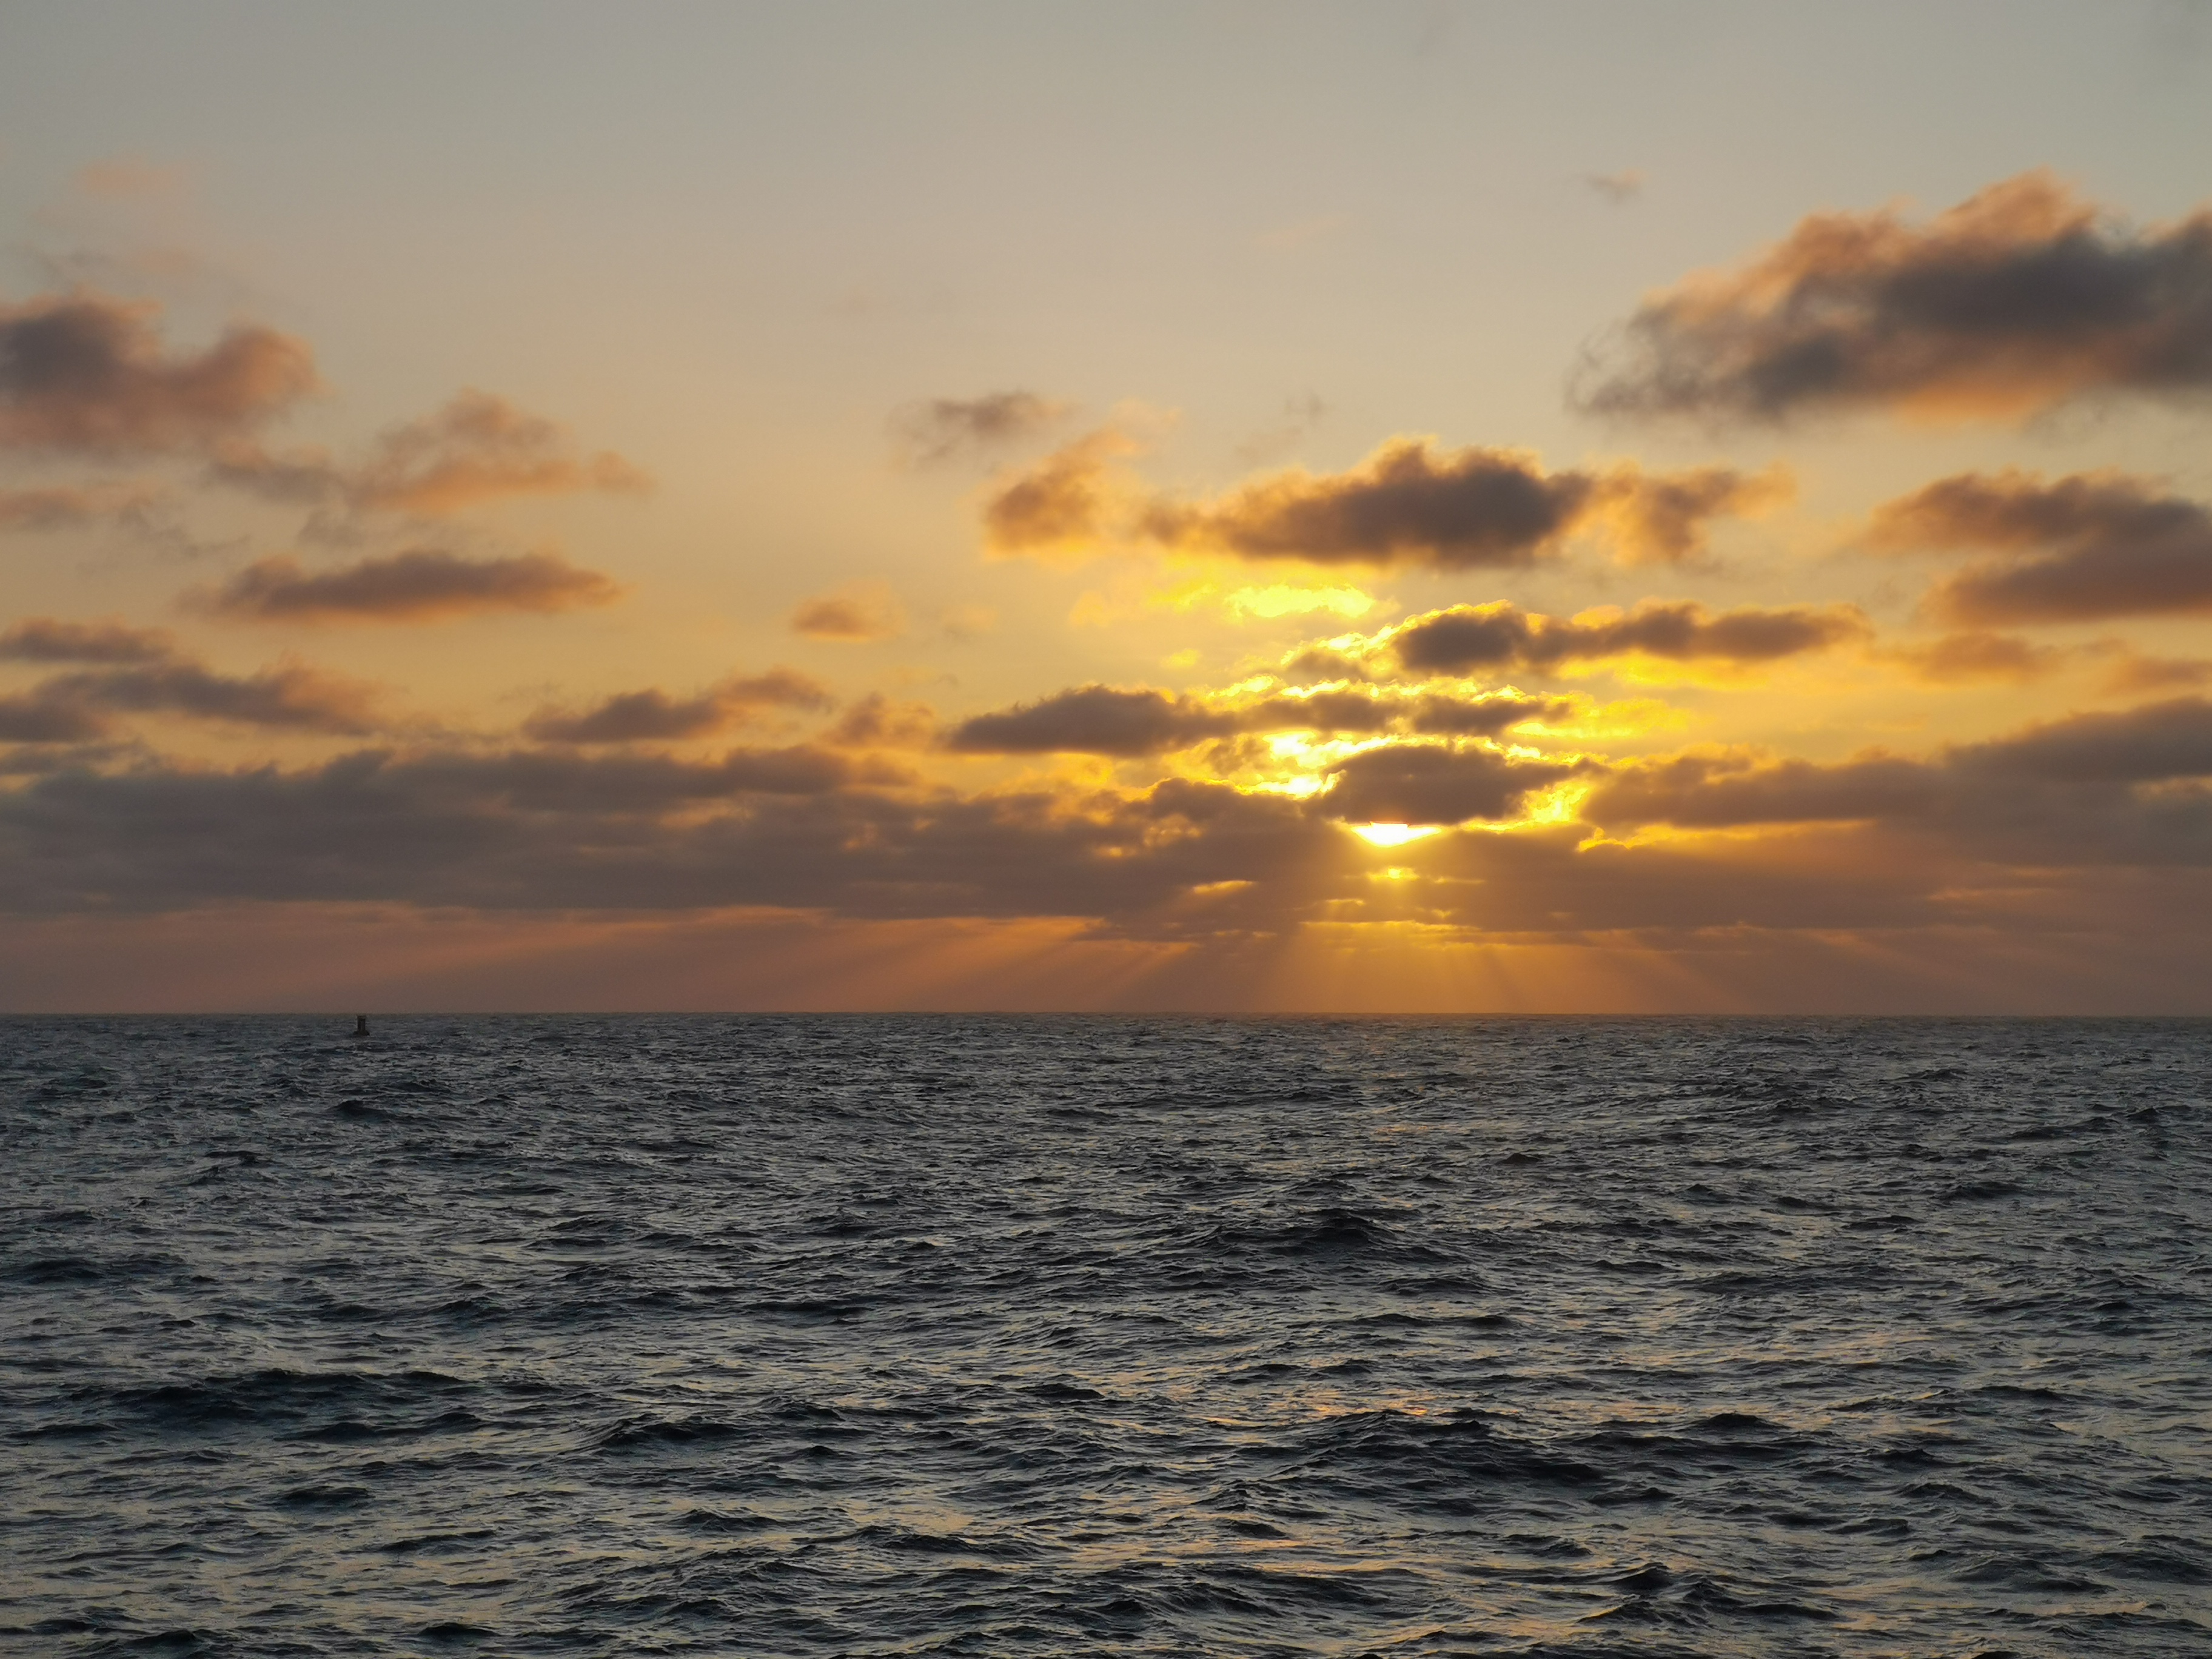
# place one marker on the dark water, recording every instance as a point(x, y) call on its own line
point(974, 1336)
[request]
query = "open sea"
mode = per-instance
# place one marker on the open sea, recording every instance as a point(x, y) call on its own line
point(916, 1335)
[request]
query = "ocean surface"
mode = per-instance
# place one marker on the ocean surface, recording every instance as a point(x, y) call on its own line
point(949, 1335)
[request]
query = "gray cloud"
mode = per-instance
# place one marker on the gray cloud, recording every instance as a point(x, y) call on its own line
point(1099, 720)
point(2127, 787)
point(2011, 303)
point(2077, 548)
point(422, 585)
point(653, 715)
point(1434, 783)
point(939, 428)
point(137, 670)
point(48, 639)
point(1410, 503)
point(1465, 638)
point(85, 372)
point(290, 697)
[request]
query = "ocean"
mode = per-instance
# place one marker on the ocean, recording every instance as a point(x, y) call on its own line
point(913, 1335)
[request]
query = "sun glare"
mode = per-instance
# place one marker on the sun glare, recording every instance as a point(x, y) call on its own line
point(1392, 834)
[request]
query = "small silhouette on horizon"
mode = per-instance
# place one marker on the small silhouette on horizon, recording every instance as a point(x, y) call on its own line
point(361, 1024)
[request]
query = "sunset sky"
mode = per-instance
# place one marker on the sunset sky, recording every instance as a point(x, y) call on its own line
point(1417, 506)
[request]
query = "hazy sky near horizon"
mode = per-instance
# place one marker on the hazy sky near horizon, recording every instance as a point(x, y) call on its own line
point(1212, 506)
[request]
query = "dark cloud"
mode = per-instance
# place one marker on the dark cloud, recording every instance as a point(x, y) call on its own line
point(1465, 638)
point(1979, 837)
point(1098, 720)
point(653, 715)
point(422, 585)
point(478, 447)
point(37, 717)
point(1485, 717)
point(939, 428)
point(1618, 188)
point(800, 829)
point(1431, 783)
point(2013, 301)
point(2078, 549)
point(1410, 503)
point(2153, 743)
point(85, 373)
point(1094, 720)
point(2132, 788)
point(47, 639)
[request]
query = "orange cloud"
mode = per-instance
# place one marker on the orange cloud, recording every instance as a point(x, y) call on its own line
point(1067, 503)
point(857, 613)
point(422, 585)
point(477, 448)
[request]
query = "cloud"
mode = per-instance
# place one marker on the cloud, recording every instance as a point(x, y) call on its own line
point(876, 722)
point(286, 698)
point(76, 707)
point(1095, 720)
point(857, 613)
point(1429, 783)
point(2078, 549)
point(2152, 743)
point(1956, 659)
point(1099, 720)
point(1661, 519)
point(2134, 675)
point(48, 639)
point(2015, 301)
point(653, 715)
point(1411, 503)
point(939, 428)
point(64, 506)
point(1618, 188)
point(477, 448)
point(2131, 787)
point(1066, 502)
point(1731, 791)
point(88, 373)
point(422, 585)
point(33, 717)
point(1465, 638)
point(139, 670)
point(799, 827)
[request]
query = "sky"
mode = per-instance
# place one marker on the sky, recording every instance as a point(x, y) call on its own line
point(1223, 507)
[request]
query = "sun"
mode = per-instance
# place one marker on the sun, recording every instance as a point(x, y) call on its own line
point(1392, 834)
